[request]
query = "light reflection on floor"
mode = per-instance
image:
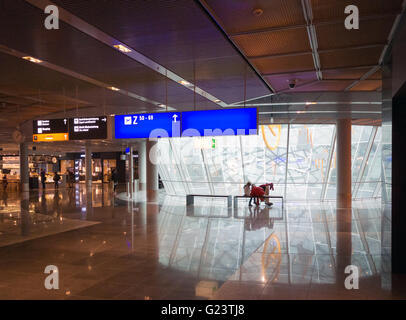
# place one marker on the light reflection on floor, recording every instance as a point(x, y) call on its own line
point(167, 251)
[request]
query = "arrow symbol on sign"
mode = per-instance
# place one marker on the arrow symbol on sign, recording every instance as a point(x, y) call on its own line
point(175, 116)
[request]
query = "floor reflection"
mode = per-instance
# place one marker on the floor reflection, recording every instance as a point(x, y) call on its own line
point(108, 248)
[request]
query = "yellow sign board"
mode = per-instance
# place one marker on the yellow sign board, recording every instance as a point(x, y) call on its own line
point(48, 137)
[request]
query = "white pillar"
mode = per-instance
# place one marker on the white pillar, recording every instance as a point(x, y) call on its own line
point(152, 171)
point(142, 164)
point(88, 165)
point(24, 173)
point(344, 199)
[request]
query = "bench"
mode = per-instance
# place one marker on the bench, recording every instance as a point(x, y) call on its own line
point(190, 198)
point(248, 197)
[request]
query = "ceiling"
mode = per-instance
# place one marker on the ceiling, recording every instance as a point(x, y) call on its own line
point(306, 40)
point(226, 54)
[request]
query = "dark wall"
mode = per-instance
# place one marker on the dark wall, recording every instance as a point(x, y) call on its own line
point(399, 182)
point(397, 122)
point(398, 59)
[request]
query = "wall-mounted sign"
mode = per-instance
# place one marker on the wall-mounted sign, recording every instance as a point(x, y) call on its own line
point(88, 128)
point(223, 122)
point(147, 125)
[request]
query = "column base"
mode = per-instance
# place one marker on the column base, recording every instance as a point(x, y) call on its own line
point(25, 187)
point(152, 195)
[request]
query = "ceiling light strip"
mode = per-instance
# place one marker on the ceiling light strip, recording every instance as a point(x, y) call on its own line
point(103, 37)
point(311, 32)
point(79, 76)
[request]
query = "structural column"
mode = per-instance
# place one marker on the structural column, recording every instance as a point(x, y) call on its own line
point(131, 173)
point(88, 165)
point(344, 198)
point(142, 164)
point(24, 174)
point(152, 171)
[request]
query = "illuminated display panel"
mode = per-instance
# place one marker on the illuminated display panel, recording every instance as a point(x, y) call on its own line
point(146, 125)
point(88, 128)
point(223, 122)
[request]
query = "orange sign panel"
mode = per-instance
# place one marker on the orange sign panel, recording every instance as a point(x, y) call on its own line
point(47, 137)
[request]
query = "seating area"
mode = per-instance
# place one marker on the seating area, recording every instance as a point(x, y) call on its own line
point(190, 199)
point(236, 198)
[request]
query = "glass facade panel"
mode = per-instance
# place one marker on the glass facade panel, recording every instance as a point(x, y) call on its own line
point(306, 167)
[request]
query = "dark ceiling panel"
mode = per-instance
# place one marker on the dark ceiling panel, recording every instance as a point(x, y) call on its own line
point(284, 64)
point(350, 58)
point(276, 42)
point(281, 82)
point(325, 10)
point(175, 34)
point(367, 85)
point(326, 85)
point(345, 74)
point(238, 16)
point(371, 32)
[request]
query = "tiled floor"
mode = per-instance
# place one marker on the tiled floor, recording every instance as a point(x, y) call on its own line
point(111, 249)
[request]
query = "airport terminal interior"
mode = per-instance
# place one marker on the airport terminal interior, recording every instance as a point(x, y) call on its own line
point(202, 149)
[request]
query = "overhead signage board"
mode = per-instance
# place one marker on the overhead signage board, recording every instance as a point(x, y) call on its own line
point(49, 137)
point(147, 125)
point(88, 128)
point(223, 122)
point(69, 129)
point(50, 130)
point(50, 126)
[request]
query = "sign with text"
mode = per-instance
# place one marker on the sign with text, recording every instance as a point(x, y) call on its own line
point(147, 125)
point(88, 128)
point(50, 130)
point(50, 126)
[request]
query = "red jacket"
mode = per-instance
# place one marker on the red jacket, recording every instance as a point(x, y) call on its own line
point(257, 192)
point(267, 184)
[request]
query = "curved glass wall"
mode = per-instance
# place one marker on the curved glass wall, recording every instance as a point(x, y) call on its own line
point(299, 159)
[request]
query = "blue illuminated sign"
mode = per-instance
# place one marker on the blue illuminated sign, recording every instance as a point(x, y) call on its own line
point(147, 125)
point(221, 122)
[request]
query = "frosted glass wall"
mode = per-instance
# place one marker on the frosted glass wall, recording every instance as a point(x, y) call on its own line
point(299, 159)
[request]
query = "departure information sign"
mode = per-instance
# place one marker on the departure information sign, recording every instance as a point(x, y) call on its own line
point(147, 125)
point(88, 128)
point(223, 122)
point(50, 130)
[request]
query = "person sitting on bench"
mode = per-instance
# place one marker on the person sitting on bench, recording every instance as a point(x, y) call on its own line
point(247, 191)
point(259, 193)
point(267, 187)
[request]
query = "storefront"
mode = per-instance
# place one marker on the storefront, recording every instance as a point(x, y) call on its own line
point(102, 165)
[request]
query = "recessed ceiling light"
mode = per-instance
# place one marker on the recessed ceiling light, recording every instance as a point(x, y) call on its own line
point(217, 101)
point(161, 105)
point(309, 103)
point(185, 83)
point(122, 48)
point(113, 88)
point(32, 59)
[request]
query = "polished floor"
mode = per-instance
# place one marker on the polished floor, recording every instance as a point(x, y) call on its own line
point(108, 248)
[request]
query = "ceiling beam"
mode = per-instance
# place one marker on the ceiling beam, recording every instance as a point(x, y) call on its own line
point(324, 69)
point(300, 53)
point(311, 33)
point(301, 26)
